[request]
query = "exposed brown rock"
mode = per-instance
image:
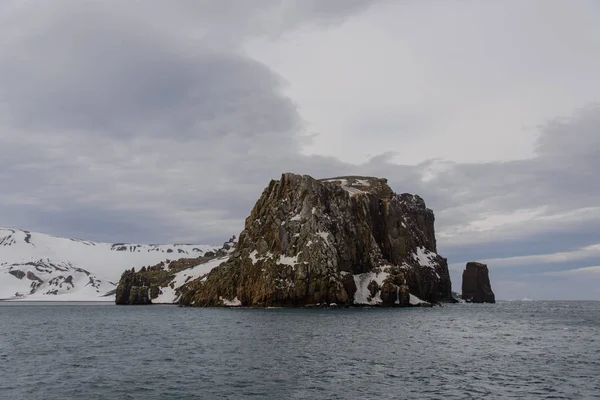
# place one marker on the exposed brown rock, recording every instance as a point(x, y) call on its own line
point(307, 241)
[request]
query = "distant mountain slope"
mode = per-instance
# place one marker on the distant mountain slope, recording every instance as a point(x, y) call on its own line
point(35, 266)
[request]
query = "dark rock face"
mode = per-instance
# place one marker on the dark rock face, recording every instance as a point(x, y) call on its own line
point(347, 240)
point(17, 273)
point(133, 289)
point(32, 277)
point(139, 295)
point(476, 287)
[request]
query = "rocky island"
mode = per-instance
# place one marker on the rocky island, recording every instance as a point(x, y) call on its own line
point(476, 287)
point(346, 241)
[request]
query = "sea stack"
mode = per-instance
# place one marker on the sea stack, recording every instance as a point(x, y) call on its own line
point(476, 287)
point(341, 241)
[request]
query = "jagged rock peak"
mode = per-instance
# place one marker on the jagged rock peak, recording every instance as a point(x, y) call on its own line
point(343, 240)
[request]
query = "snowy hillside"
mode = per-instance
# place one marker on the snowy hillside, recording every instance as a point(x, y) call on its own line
point(35, 266)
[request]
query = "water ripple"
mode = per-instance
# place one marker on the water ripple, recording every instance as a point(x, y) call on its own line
point(508, 350)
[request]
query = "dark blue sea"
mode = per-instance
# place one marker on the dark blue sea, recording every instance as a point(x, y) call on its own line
point(509, 350)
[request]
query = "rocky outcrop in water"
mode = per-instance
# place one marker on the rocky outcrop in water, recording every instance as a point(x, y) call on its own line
point(139, 288)
point(343, 241)
point(133, 288)
point(476, 287)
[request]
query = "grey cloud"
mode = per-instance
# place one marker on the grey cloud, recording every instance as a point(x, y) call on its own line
point(561, 177)
point(219, 24)
point(567, 239)
point(228, 21)
point(89, 223)
point(75, 75)
point(95, 67)
point(103, 114)
point(557, 142)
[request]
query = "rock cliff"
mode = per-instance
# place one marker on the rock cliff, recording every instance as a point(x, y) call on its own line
point(347, 240)
point(476, 287)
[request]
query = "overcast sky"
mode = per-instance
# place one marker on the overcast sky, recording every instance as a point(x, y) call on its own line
point(163, 121)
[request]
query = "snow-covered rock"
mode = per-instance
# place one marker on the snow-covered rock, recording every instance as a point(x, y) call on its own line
point(165, 282)
point(35, 266)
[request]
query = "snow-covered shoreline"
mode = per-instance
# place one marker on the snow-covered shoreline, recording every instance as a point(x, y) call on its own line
point(40, 267)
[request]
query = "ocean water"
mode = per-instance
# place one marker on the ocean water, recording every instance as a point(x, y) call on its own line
point(525, 350)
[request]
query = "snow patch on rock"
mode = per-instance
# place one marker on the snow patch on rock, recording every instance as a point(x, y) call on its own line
point(425, 258)
point(286, 260)
point(231, 303)
point(415, 301)
point(169, 293)
point(253, 257)
point(363, 294)
point(323, 235)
